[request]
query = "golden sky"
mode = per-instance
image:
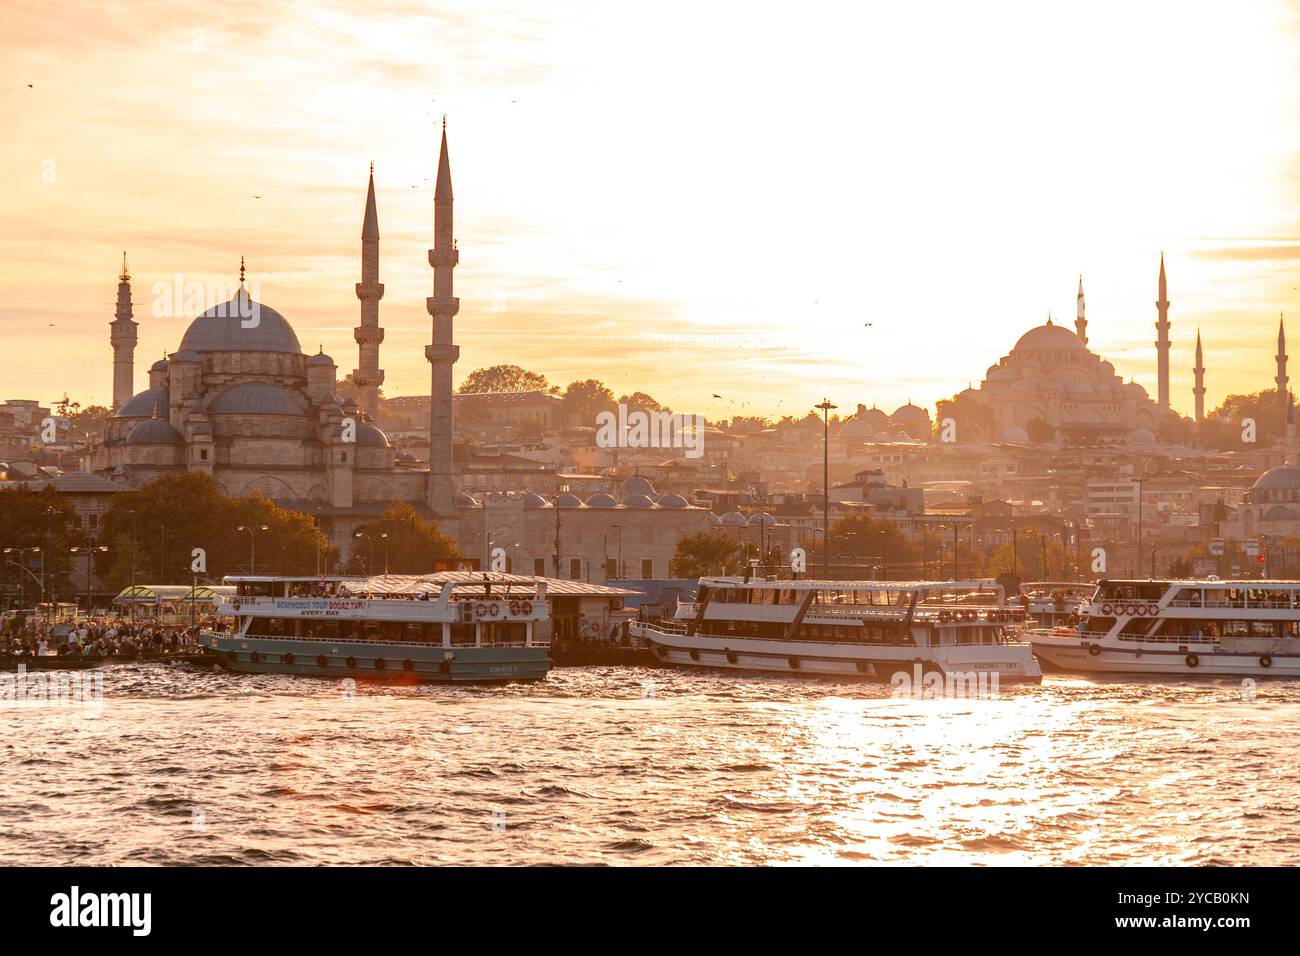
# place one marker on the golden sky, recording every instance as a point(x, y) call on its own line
point(687, 198)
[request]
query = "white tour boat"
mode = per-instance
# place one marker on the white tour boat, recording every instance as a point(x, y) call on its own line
point(875, 629)
point(1225, 628)
point(1055, 603)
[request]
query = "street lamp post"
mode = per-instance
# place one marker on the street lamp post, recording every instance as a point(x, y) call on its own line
point(252, 544)
point(826, 407)
point(1139, 509)
point(90, 557)
point(21, 565)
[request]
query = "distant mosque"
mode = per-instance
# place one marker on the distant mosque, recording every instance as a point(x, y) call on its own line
point(241, 401)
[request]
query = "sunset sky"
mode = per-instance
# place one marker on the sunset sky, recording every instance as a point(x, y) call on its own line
point(681, 198)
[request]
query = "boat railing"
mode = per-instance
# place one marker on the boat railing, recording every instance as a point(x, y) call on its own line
point(535, 642)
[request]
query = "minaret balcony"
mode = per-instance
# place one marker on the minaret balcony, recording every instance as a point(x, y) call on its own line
point(438, 305)
point(368, 335)
point(370, 290)
point(442, 354)
point(444, 257)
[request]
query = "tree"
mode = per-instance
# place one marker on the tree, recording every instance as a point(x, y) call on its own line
point(973, 418)
point(1039, 431)
point(92, 420)
point(1026, 562)
point(641, 402)
point(38, 519)
point(703, 554)
point(1267, 409)
point(584, 400)
point(872, 540)
point(152, 532)
point(503, 378)
point(414, 543)
point(347, 387)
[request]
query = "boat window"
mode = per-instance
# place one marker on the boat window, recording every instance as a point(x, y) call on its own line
point(462, 635)
point(1096, 624)
point(414, 633)
point(370, 630)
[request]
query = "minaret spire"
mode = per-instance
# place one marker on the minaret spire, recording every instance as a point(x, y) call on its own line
point(1080, 323)
point(1162, 339)
point(1281, 356)
point(122, 336)
point(1198, 374)
point(368, 376)
point(442, 353)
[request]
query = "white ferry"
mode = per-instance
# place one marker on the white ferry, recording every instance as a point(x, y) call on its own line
point(1225, 628)
point(450, 627)
point(874, 629)
point(1055, 603)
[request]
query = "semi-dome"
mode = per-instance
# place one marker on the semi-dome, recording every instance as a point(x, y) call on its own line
point(254, 398)
point(673, 501)
point(371, 437)
point(638, 501)
point(155, 431)
point(636, 485)
point(568, 500)
point(1048, 338)
point(733, 519)
point(147, 404)
point(534, 500)
point(241, 325)
point(601, 500)
point(1285, 477)
point(1016, 436)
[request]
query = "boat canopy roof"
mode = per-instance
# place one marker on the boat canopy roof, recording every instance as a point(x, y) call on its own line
point(806, 585)
point(464, 581)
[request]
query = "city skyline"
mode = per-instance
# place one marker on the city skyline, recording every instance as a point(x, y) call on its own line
point(763, 299)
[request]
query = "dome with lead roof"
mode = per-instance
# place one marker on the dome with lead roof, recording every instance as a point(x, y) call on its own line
point(147, 404)
point(155, 431)
point(241, 325)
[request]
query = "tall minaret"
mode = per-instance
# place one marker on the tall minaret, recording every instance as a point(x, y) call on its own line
point(122, 336)
point(1281, 364)
point(1198, 374)
point(442, 354)
point(1162, 340)
point(1081, 323)
point(368, 375)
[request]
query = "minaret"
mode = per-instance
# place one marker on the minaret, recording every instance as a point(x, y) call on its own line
point(1198, 374)
point(1162, 340)
point(442, 354)
point(122, 336)
point(1080, 323)
point(368, 375)
point(1281, 364)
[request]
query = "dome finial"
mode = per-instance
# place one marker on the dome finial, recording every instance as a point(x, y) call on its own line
point(126, 274)
point(241, 272)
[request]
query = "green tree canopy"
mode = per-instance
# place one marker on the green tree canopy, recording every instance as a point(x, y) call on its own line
point(413, 542)
point(872, 540)
point(703, 554)
point(641, 402)
point(586, 399)
point(37, 519)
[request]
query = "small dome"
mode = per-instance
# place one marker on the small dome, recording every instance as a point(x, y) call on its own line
point(873, 417)
point(714, 520)
point(254, 398)
point(159, 366)
point(673, 501)
point(320, 360)
point(733, 519)
point(601, 500)
point(371, 437)
point(636, 485)
point(1046, 338)
point(148, 404)
point(638, 501)
point(532, 500)
point(1142, 437)
point(857, 427)
point(1281, 513)
point(1285, 477)
point(910, 413)
point(155, 431)
point(1016, 436)
point(567, 500)
point(241, 325)
point(464, 500)
point(762, 520)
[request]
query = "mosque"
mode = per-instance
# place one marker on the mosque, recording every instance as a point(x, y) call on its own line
point(240, 400)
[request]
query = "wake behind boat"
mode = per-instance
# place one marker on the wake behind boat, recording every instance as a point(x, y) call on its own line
point(450, 627)
point(1185, 627)
point(875, 629)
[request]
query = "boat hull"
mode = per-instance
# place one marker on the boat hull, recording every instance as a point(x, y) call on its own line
point(396, 663)
point(1011, 663)
point(1185, 661)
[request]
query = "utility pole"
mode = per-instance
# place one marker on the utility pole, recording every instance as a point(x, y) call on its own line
point(826, 407)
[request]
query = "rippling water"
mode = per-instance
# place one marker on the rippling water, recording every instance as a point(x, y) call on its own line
point(628, 765)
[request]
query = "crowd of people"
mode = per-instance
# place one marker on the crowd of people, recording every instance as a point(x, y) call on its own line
point(98, 637)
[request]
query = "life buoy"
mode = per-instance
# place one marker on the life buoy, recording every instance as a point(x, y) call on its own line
point(494, 609)
point(1094, 650)
point(794, 663)
point(380, 663)
point(695, 655)
point(351, 662)
point(408, 664)
point(322, 661)
point(864, 667)
point(444, 667)
point(286, 658)
point(1265, 661)
point(731, 657)
point(514, 608)
point(232, 655)
point(1192, 660)
point(480, 609)
point(526, 608)
point(663, 651)
point(255, 657)
point(1106, 609)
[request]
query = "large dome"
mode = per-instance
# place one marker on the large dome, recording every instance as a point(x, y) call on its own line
point(1279, 478)
point(255, 398)
point(1047, 338)
point(150, 403)
point(229, 327)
